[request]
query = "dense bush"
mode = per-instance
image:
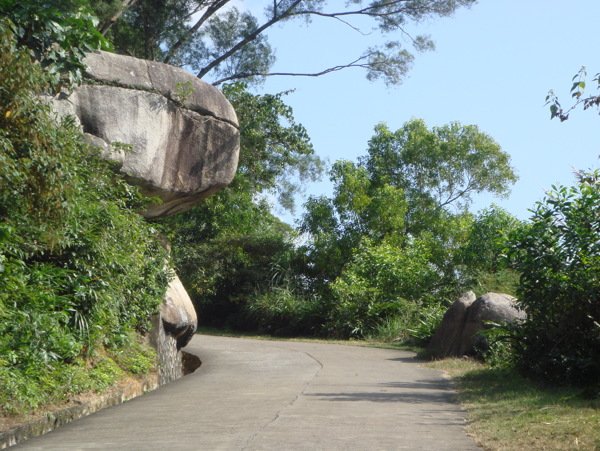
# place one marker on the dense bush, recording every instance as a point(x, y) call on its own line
point(57, 33)
point(381, 282)
point(559, 257)
point(281, 311)
point(228, 250)
point(80, 271)
point(482, 260)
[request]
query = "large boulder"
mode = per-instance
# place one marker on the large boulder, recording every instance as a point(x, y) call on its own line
point(181, 134)
point(447, 337)
point(459, 333)
point(172, 329)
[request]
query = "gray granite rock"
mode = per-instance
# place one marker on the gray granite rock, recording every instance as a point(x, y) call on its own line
point(181, 134)
point(459, 333)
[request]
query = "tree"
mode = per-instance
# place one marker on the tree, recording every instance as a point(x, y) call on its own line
point(438, 169)
point(577, 93)
point(226, 251)
point(57, 34)
point(414, 183)
point(559, 258)
point(397, 219)
point(216, 39)
point(276, 155)
point(482, 257)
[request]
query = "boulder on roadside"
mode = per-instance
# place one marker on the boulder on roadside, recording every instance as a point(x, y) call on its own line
point(178, 314)
point(446, 339)
point(459, 333)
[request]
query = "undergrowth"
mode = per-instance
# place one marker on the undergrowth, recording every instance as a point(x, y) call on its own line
point(80, 272)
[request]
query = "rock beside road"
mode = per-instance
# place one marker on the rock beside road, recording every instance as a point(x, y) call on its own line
point(459, 333)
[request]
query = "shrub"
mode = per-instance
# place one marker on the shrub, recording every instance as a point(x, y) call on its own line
point(426, 322)
point(281, 312)
point(80, 271)
point(382, 281)
point(559, 257)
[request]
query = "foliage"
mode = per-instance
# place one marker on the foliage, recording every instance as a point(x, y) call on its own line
point(482, 256)
point(427, 322)
point(226, 250)
point(281, 311)
point(506, 280)
point(276, 155)
point(57, 32)
point(487, 236)
point(216, 39)
point(438, 168)
point(396, 222)
point(79, 269)
point(559, 257)
point(577, 93)
point(381, 281)
point(393, 328)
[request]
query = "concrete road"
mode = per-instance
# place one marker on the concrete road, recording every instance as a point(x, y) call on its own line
point(269, 395)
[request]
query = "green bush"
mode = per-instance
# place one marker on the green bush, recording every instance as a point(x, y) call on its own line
point(225, 250)
point(426, 322)
point(382, 281)
point(281, 312)
point(559, 257)
point(394, 327)
point(505, 281)
point(80, 271)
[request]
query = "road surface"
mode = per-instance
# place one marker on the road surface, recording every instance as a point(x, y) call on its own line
point(280, 395)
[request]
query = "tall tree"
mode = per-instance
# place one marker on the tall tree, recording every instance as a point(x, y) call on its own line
point(227, 249)
point(438, 169)
point(217, 40)
point(409, 194)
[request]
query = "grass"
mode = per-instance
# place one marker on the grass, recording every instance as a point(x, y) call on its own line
point(509, 412)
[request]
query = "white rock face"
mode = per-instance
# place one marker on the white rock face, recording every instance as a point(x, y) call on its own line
point(182, 131)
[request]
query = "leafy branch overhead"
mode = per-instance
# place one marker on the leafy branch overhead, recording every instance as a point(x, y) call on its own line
point(577, 93)
point(57, 34)
point(217, 40)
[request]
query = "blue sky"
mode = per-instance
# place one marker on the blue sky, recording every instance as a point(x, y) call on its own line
point(493, 66)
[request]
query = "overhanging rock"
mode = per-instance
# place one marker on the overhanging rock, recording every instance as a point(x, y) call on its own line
point(181, 135)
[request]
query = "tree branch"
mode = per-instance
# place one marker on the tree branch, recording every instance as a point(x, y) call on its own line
point(451, 198)
point(240, 76)
point(103, 29)
point(210, 11)
point(381, 10)
point(251, 37)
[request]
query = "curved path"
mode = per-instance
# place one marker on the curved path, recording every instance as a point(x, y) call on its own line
point(271, 395)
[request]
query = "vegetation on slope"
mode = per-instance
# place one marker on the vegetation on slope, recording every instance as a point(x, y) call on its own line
point(80, 272)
